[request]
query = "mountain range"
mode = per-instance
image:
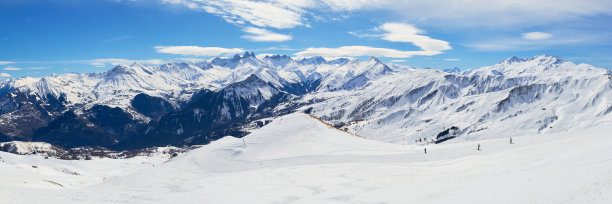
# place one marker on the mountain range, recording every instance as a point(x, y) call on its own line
point(187, 103)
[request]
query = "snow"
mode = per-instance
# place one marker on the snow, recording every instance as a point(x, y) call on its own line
point(557, 112)
point(389, 103)
point(297, 159)
point(29, 147)
point(178, 81)
point(539, 95)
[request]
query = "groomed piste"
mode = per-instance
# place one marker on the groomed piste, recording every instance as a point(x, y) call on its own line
point(298, 159)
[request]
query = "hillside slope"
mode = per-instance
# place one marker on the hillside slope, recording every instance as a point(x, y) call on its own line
point(319, 164)
point(196, 103)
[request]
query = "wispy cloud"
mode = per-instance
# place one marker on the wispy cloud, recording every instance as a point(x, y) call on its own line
point(518, 44)
point(536, 36)
point(356, 51)
point(197, 51)
point(393, 32)
point(284, 14)
point(452, 59)
point(102, 62)
point(398, 60)
point(115, 61)
point(12, 68)
point(401, 32)
point(263, 35)
point(188, 59)
point(6, 62)
point(364, 35)
point(279, 14)
point(282, 47)
point(5, 75)
point(261, 56)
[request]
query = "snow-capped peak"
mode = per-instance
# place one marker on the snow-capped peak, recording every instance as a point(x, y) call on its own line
point(372, 58)
point(452, 70)
point(277, 57)
point(536, 65)
point(247, 55)
point(135, 64)
point(547, 59)
point(513, 59)
point(236, 58)
point(341, 60)
point(543, 59)
point(313, 60)
point(120, 69)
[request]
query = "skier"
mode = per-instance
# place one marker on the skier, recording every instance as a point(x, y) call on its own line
point(478, 147)
point(425, 150)
point(511, 140)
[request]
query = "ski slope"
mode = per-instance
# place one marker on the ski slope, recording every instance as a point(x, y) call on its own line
point(298, 159)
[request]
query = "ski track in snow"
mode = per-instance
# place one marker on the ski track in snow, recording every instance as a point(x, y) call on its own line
point(297, 159)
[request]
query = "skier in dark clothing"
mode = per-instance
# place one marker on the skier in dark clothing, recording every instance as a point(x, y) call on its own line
point(478, 147)
point(425, 150)
point(511, 140)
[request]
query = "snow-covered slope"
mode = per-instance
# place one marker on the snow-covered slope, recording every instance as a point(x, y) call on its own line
point(28, 174)
point(320, 164)
point(177, 81)
point(391, 103)
point(538, 95)
point(280, 140)
point(19, 147)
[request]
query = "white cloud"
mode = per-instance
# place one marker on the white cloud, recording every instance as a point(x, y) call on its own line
point(12, 68)
point(263, 35)
point(487, 13)
point(187, 59)
point(517, 44)
point(452, 59)
point(536, 36)
point(115, 61)
point(282, 47)
point(401, 32)
point(5, 75)
point(362, 51)
point(196, 50)
point(279, 14)
point(284, 14)
point(6, 62)
point(351, 5)
point(364, 35)
point(330, 58)
point(398, 60)
point(261, 56)
point(39, 68)
point(393, 32)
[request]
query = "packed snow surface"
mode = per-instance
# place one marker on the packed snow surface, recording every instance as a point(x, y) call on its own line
point(298, 159)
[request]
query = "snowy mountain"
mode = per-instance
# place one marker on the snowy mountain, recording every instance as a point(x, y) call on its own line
point(179, 103)
point(320, 164)
point(41, 101)
point(542, 94)
point(452, 70)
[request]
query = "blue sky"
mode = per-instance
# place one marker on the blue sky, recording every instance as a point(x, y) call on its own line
point(39, 37)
